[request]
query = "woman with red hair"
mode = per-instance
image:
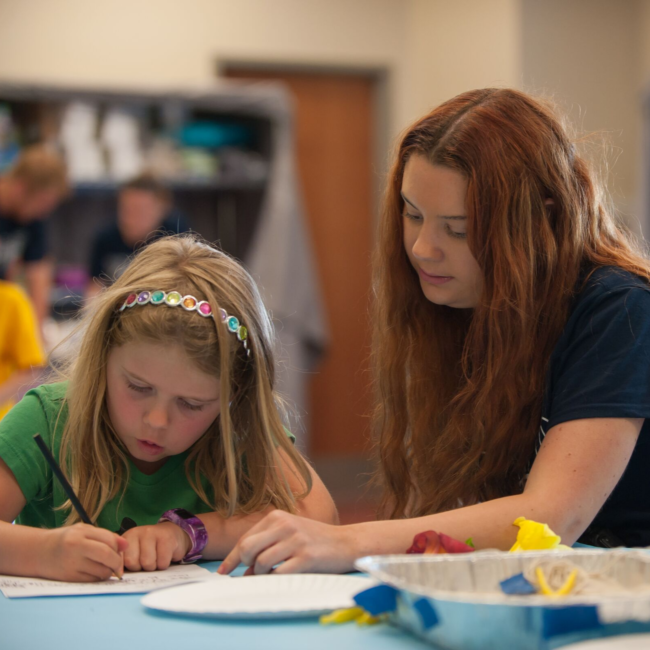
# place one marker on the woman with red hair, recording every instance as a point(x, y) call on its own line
point(511, 348)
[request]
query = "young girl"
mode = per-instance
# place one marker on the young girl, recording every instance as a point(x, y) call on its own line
point(511, 343)
point(169, 413)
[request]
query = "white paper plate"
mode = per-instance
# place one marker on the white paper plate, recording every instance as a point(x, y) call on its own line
point(267, 596)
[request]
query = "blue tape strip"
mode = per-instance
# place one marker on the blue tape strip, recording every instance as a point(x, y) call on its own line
point(577, 618)
point(517, 585)
point(381, 599)
point(427, 613)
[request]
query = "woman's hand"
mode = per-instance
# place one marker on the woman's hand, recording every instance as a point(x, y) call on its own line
point(302, 545)
point(154, 548)
point(82, 553)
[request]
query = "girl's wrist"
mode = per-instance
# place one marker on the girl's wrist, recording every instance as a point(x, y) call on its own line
point(184, 542)
point(44, 560)
point(193, 529)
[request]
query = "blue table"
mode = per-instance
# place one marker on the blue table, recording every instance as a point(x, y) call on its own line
point(119, 622)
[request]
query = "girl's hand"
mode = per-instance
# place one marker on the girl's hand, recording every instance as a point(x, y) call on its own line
point(302, 545)
point(82, 553)
point(154, 548)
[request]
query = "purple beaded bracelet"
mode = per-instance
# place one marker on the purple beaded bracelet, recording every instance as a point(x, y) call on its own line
point(195, 529)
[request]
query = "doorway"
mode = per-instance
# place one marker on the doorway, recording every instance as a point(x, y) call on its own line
point(336, 133)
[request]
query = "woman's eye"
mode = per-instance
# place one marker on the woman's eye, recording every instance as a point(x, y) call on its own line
point(412, 217)
point(191, 407)
point(136, 388)
point(453, 233)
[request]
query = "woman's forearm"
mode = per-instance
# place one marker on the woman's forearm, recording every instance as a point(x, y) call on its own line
point(303, 545)
point(489, 524)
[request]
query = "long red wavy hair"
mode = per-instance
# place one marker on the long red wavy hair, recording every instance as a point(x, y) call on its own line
point(459, 392)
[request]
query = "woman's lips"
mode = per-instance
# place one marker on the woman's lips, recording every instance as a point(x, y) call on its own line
point(148, 447)
point(434, 279)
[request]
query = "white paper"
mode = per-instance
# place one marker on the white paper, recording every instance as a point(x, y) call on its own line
point(133, 583)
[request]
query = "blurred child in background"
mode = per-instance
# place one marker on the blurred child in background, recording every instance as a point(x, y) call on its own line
point(29, 192)
point(144, 214)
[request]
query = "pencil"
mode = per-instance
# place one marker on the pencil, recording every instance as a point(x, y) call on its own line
point(67, 488)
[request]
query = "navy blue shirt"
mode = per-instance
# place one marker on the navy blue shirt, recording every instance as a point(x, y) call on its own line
point(20, 241)
point(600, 368)
point(111, 254)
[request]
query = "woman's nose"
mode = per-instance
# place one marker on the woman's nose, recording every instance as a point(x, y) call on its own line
point(427, 246)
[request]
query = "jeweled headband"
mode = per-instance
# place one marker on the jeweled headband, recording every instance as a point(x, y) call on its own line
point(188, 303)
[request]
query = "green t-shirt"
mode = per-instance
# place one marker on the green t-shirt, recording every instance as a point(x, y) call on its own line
point(146, 496)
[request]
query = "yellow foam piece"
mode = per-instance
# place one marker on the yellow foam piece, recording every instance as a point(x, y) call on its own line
point(533, 536)
point(368, 619)
point(357, 614)
point(342, 616)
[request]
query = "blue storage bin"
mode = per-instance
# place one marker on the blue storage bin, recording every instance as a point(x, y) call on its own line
point(213, 135)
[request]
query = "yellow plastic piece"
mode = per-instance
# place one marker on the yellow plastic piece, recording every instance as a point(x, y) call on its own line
point(534, 536)
point(357, 614)
point(368, 619)
point(564, 590)
point(342, 615)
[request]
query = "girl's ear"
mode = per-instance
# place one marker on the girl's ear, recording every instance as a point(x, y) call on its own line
point(549, 202)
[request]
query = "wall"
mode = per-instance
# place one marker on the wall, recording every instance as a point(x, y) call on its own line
point(423, 43)
point(592, 55)
point(585, 55)
point(456, 46)
point(642, 73)
point(642, 36)
point(177, 42)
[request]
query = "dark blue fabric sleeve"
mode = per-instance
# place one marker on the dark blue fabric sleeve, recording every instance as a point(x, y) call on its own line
point(96, 254)
point(604, 371)
point(36, 245)
point(175, 222)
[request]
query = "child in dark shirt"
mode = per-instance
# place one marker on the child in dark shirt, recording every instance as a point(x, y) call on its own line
point(144, 214)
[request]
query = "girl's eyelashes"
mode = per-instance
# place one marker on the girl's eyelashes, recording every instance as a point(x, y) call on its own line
point(145, 389)
point(191, 407)
point(136, 388)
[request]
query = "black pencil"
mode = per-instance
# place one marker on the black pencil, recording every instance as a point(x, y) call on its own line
point(67, 488)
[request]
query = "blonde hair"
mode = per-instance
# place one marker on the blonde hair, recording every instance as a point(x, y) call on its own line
point(40, 168)
point(238, 455)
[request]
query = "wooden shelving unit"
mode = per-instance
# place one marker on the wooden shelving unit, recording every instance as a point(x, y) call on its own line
point(222, 209)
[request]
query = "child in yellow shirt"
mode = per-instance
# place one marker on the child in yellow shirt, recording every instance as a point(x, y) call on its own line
point(21, 353)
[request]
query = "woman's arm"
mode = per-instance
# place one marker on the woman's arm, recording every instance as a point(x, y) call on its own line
point(578, 466)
